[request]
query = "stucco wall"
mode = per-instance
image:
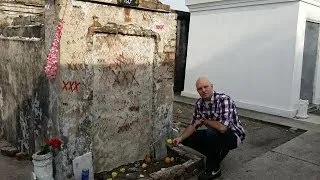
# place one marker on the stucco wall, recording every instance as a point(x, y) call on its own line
point(23, 104)
point(114, 88)
point(23, 87)
point(247, 51)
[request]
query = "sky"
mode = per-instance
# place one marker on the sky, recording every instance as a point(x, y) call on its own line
point(176, 4)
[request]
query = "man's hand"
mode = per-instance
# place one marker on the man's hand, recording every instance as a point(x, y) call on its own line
point(177, 140)
point(188, 131)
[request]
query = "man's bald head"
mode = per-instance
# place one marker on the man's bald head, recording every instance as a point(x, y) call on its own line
point(204, 87)
point(202, 79)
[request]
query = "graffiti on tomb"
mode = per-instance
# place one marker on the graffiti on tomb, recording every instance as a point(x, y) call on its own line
point(126, 126)
point(77, 66)
point(124, 71)
point(71, 86)
point(159, 26)
point(129, 2)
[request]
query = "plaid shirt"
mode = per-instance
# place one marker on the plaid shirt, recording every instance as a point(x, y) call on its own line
point(221, 108)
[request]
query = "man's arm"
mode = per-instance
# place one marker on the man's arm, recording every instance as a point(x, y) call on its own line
point(216, 125)
point(188, 131)
point(194, 124)
point(191, 129)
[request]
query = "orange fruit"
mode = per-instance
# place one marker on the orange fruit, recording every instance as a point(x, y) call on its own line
point(147, 160)
point(167, 160)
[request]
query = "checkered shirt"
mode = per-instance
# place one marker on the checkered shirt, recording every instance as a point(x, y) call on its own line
point(221, 108)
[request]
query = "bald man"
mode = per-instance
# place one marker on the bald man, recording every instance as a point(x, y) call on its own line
point(217, 112)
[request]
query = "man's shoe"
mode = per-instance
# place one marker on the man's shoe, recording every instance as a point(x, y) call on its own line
point(207, 175)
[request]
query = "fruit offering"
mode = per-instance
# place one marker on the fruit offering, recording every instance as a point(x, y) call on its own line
point(147, 159)
point(122, 170)
point(114, 174)
point(167, 160)
point(144, 165)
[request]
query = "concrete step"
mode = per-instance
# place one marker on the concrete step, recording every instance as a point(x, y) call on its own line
point(183, 109)
point(7, 149)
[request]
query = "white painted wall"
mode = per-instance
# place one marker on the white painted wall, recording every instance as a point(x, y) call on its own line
point(248, 52)
point(179, 5)
point(309, 12)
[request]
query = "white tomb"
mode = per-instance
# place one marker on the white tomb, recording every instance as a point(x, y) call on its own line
point(254, 50)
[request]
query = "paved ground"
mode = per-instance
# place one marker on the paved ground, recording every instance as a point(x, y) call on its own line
point(297, 159)
point(12, 169)
point(261, 138)
point(269, 152)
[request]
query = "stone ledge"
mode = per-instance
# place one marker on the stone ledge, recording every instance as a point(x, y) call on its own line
point(7, 149)
point(188, 163)
point(131, 30)
point(289, 122)
point(29, 9)
point(26, 2)
point(150, 5)
point(33, 39)
point(195, 162)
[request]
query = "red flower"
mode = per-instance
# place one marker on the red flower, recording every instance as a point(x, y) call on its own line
point(55, 143)
point(47, 142)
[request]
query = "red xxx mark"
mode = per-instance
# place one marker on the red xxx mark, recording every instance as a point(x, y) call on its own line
point(159, 26)
point(71, 85)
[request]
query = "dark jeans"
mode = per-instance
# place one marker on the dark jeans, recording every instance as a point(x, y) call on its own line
point(213, 144)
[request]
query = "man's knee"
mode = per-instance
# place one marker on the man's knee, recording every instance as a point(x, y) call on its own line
point(195, 138)
point(230, 139)
point(227, 140)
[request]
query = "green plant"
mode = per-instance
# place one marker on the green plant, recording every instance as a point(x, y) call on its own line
point(50, 145)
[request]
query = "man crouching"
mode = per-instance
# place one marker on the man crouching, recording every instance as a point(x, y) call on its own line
point(223, 130)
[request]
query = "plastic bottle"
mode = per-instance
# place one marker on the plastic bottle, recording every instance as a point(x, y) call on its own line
point(85, 174)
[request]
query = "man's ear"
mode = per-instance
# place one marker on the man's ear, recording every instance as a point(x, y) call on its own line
point(212, 85)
